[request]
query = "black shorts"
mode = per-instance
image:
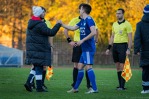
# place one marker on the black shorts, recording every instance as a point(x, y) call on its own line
point(119, 52)
point(76, 54)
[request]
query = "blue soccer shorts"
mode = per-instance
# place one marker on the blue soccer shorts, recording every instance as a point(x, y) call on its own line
point(87, 58)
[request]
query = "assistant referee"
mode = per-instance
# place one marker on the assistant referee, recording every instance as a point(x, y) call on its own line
point(121, 40)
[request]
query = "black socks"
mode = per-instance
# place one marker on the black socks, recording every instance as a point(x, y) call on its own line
point(75, 74)
point(121, 80)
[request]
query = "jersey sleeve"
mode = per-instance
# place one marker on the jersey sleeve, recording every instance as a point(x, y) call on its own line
point(113, 28)
point(129, 28)
point(90, 22)
point(72, 23)
point(48, 24)
point(96, 26)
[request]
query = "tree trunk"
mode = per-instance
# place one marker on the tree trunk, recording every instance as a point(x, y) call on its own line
point(87, 1)
point(20, 33)
point(13, 33)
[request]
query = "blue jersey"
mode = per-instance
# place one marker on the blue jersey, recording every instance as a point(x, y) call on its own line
point(84, 25)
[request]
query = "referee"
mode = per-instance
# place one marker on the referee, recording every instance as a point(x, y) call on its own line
point(121, 40)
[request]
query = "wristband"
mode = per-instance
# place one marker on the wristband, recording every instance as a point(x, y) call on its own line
point(68, 40)
point(109, 47)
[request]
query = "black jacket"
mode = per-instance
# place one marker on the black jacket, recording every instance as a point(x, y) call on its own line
point(38, 49)
point(141, 40)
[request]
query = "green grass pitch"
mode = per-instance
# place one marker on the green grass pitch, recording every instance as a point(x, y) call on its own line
point(13, 79)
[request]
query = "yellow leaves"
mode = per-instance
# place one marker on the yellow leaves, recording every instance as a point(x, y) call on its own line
point(103, 12)
point(147, 1)
point(6, 29)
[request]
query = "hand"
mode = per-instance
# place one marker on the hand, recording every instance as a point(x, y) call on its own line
point(59, 21)
point(51, 49)
point(72, 43)
point(79, 42)
point(138, 53)
point(128, 52)
point(107, 52)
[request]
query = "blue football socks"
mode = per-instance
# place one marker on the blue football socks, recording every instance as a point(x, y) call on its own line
point(79, 78)
point(91, 76)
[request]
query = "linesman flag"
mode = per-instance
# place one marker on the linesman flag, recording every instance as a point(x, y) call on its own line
point(49, 73)
point(126, 74)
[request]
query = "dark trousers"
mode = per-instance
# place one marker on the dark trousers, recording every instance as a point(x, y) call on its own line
point(145, 77)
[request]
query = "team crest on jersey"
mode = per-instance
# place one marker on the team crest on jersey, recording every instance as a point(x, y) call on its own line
point(120, 31)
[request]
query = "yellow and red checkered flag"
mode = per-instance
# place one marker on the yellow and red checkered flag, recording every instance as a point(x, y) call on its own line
point(126, 74)
point(49, 73)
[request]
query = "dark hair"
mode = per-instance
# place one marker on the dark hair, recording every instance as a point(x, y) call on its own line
point(87, 8)
point(81, 5)
point(43, 8)
point(123, 11)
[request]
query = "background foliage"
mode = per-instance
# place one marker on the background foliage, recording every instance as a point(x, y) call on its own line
point(14, 15)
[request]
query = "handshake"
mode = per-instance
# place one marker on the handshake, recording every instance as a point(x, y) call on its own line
point(72, 28)
point(66, 26)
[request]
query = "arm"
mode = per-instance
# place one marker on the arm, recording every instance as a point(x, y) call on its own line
point(111, 39)
point(97, 33)
point(51, 41)
point(137, 40)
point(49, 32)
point(68, 38)
point(129, 43)
point(129, 31)
point(96, 36)
point(110, 43)
point(70, 27)
point(66, 33)
point(129, 40)
point(93, 33)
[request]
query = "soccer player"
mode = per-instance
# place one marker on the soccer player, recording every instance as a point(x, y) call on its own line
point(141, 47)
point(77, 51)
point(121, 39)
point(87, 43)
